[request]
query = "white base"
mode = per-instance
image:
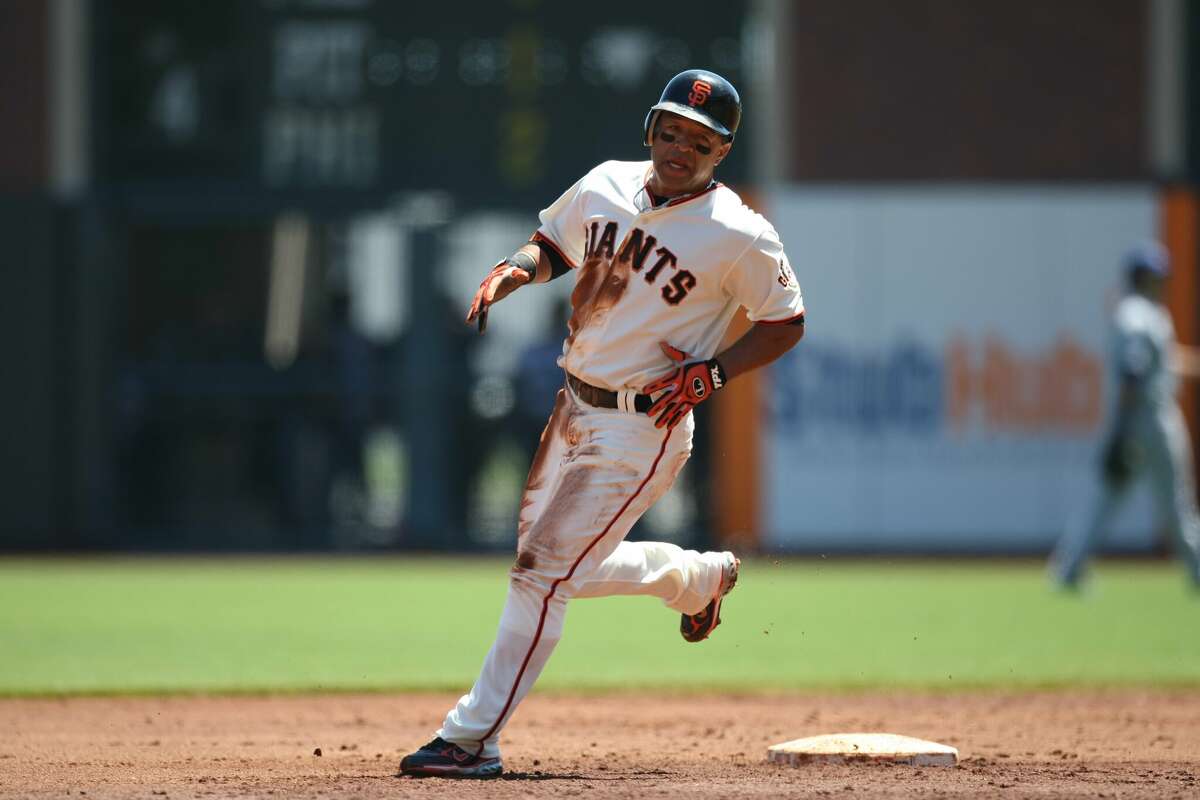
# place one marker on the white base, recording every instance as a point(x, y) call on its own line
point(848, 748)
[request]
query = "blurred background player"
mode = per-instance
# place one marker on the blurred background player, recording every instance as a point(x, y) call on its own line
point(1148, 436)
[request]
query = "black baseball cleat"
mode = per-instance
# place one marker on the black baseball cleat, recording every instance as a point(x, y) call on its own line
point(698, 627)
point(442, 759)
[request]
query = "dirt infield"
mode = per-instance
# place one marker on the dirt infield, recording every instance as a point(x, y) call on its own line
point(1112, 744)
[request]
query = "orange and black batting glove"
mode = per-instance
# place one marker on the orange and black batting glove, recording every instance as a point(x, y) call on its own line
point(505, 278)
point(684, 388)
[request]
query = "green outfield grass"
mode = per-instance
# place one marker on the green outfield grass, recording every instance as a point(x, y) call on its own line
point(157, 624)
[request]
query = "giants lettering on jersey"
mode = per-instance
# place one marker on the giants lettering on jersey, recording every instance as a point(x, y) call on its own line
point(636, 249)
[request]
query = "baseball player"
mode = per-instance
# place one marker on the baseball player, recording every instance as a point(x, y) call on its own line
point(662, 257)
point(1147, 435)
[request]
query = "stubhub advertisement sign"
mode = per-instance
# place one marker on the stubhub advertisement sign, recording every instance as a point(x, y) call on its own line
point(952, 388)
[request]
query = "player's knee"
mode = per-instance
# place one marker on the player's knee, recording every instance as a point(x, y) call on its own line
point(527, 573)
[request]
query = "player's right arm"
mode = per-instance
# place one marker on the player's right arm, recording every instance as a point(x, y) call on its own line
point(554, 249)
point(1134, 354)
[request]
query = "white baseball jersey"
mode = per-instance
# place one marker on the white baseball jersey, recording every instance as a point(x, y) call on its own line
point(679, 272)
point(1143, 340)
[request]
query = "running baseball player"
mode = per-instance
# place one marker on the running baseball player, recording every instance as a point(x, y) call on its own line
point(1147, 436)
point(662, 257)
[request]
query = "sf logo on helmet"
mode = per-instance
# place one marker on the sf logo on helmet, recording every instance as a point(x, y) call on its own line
point(699, 94)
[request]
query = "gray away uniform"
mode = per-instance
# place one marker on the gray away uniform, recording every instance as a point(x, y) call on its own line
point(1142, 344)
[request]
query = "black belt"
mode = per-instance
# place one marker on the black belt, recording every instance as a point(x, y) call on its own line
point(603, 398)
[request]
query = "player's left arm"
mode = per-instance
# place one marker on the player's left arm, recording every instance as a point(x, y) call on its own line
point(759, 346)
point(1185, 361)
point(693, 382)
point(762, 281)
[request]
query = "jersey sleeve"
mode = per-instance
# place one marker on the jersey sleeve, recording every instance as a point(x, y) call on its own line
point(1135, 354)
point(562, 225)
point(763, 282)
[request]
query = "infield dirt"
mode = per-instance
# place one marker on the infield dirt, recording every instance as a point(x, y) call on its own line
point(1063, 744)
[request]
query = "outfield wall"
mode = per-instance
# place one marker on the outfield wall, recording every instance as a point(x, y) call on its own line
point(951, 388)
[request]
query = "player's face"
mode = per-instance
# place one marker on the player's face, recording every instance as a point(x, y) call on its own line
point(1154, 285)
point(1148, 284)
point(684, 153)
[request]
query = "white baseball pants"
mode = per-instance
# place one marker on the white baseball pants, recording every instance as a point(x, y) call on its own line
point(1167, 463)
point(596, 472)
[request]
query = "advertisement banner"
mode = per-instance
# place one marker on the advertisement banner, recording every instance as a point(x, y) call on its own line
point(951, 389)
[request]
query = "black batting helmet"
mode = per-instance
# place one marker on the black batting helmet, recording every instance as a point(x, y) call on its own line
point(699, 95)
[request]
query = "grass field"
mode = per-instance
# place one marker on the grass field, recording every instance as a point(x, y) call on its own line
point(256, 624)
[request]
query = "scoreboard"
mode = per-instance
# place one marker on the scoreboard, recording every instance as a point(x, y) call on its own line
point(496, 103)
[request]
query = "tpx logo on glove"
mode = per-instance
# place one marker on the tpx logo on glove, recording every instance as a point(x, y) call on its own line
point(683, 388)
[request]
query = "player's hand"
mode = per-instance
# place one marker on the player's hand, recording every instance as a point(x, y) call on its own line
point(684, 388)
point(503, 280)
point(1119, 460)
